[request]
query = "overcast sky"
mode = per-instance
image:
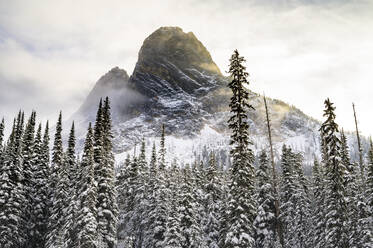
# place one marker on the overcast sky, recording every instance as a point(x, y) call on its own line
point(300, 51)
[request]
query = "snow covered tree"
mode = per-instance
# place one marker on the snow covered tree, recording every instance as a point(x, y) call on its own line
point(265, 220)
point(57, 222)
point(369, 191)
point(11, 190)
point(189, 227)
point(173, 237)
point(39, 195)
point(336, 207)
point(301, 228)
point(242, 210)
point(318, 205)
point(28, 177)
point(162, 149)
point(2, 127)
point(72, 171)
point(288, 191)
point(107, 208)
point(86, 223)
point(159, 206)
point(212, 216)
point(364, 230)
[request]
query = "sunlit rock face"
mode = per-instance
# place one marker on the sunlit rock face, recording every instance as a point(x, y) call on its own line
point(176, 83)
point(171, 61)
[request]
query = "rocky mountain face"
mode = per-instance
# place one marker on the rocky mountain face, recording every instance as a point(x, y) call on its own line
point(176, 83)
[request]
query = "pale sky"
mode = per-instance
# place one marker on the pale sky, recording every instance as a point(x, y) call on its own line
point(299, 51)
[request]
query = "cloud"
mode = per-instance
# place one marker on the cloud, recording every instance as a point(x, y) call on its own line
point(300, 51)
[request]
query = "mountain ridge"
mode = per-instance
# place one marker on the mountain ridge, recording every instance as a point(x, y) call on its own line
point(176, 82)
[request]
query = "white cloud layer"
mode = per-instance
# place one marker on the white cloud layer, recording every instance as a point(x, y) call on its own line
point(52, 52)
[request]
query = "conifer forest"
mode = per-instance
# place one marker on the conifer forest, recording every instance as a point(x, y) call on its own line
point(54, 195)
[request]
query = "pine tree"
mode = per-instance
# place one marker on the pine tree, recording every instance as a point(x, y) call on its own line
point(98, 139)
point(318, 206)
point(214, 206)
point(2, 127)
point(39, 195)
point(58, 218)
point(336, 207)
point(301, 227)
point(162, 150)
point(364, 237)
point(141, 198)
point(189, 226)
point(173, 236)
point(86, 223)
point(107, 208)
point(28, 177)
point(242, 208)
point(352, 191)
point(11, 190)
point(158, 206)
point(72, 172)
point(265, 220)
point(126, 201)
point(288, 191)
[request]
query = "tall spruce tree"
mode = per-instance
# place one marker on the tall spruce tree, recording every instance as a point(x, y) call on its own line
point(11, 190)
point(28, 177)
point(2, 127)
point(189, 227)
point(173, 236)
point(39, 195)
point(158, 204)
point(265, 236)
point(288, 191)
point(86, 222)
point(212, 215)
point(107, 208)
point(336, 207)
point(302, 225)
point(72, 172)
point(60, 182)
point(242, 208)
point(318, 205)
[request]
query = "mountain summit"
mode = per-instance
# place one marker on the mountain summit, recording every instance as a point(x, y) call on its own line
point(176, 83)
point(171, 61)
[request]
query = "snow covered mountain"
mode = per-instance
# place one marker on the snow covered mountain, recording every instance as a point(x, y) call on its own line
point(176, 83)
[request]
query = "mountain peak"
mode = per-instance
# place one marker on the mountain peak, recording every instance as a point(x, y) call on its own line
point(182, 49)
point(178, 58)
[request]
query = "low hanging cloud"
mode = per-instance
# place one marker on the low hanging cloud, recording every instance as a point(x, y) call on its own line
point(300, 51)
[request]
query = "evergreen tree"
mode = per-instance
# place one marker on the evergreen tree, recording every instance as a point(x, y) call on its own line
point(189, 226)
point(158, 206)
point(214, 206)
point(336, 207)
point(86, 223)
point(301, 227)
point(265, 220)
point(364, 237)
point(57, 222)
point(39, 195)
point(173, 236)
point(242, 209)
point(28, 177)
point(11, 190)
point(107, 208)
point(98, 139)
point(72, 172)
point(288, 191)
point(162, 149)
point(2, 127)
point(318, 206)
